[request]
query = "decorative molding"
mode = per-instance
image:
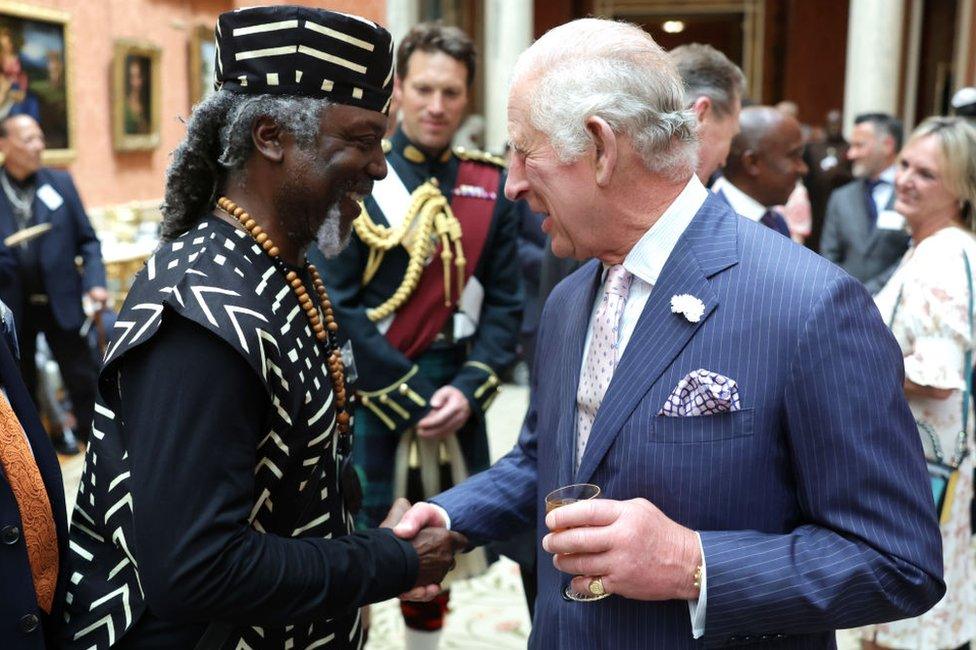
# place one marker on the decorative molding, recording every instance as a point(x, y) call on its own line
point(753, 25)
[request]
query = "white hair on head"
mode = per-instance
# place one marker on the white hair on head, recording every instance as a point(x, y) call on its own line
point(615, 71)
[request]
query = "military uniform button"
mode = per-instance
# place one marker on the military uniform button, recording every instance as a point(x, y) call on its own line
point(29, 623)
point(9, 535)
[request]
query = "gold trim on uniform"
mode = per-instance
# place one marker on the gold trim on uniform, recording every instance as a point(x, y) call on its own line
point(428, 216)
point(480, 156)
point(491, 383)
point(377, 400)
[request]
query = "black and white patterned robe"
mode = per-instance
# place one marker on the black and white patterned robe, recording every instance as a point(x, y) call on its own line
point(217, 277)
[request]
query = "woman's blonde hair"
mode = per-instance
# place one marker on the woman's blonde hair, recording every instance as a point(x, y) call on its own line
point(957, 142)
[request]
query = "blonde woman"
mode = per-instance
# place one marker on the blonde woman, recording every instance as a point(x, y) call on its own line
point(928, 305)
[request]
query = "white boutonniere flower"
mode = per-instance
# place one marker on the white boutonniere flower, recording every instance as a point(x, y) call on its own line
point(689, 306)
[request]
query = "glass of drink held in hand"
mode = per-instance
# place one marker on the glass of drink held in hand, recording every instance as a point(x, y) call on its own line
point(563, 497)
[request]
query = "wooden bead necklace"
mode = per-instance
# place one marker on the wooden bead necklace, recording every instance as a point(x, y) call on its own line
point(325, 332)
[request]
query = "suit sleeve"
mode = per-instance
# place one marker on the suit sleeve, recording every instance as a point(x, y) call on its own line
point(89, 247)
point(493, 344)
point(192, 485)
point(830, 244)
point(389, 384)
point(868, 548)
point(502, 500)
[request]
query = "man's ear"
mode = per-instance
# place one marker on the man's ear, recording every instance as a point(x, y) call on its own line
point(605, 149)
point(267, 137)
point(701, 107)
point(750, 162)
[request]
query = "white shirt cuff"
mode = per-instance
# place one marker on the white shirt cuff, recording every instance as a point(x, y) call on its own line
point(697, 608)
point(447, 517)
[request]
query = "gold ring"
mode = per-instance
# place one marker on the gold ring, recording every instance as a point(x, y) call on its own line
point(596, 587)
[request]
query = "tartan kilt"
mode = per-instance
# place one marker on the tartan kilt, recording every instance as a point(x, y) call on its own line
point(375, 445)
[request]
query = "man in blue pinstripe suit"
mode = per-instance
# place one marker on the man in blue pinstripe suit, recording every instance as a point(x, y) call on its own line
point(737, 398)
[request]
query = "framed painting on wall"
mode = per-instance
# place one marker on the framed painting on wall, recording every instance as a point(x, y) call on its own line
point(136, 101)
point(36, 73)
point(203, 49)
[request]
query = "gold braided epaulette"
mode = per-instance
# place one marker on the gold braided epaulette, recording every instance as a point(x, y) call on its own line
point(480, 156)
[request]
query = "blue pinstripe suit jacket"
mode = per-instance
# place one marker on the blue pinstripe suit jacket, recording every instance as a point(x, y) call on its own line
point(813, 501)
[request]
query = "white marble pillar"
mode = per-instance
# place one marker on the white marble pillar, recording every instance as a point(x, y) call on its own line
point(874, 58)
point(401, 15)
point(508, 32)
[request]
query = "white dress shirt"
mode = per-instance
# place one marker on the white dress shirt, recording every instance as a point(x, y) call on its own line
point(882, 192)
point(741, 202)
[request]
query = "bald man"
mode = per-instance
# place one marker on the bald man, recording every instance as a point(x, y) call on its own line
point(764, 164)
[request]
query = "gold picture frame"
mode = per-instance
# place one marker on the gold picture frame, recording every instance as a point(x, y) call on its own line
point(203, 46)
point(38, 73)
point(136, 100)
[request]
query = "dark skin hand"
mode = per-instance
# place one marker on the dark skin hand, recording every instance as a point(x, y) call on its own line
point(435, 547)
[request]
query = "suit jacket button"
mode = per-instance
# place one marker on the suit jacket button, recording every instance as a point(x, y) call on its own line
point(9, 535)
point(29, 623)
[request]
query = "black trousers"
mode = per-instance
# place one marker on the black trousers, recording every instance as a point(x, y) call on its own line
point(73, 356)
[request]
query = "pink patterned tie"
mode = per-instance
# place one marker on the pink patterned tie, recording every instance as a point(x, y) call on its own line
point(602, 357)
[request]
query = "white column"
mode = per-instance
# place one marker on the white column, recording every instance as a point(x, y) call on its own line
point(401, 15)
point(874, 58)
point(508, 32)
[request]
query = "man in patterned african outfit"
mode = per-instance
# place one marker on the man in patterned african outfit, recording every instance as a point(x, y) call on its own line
point(214, 510)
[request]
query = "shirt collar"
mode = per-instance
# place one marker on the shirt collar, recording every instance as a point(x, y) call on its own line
point(741, 202)
point(888, 175)
point(648, 256)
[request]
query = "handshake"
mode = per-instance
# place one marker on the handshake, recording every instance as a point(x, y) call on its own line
point(424, 527)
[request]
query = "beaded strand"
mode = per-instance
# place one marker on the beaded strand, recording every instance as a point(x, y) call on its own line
point(325, 333)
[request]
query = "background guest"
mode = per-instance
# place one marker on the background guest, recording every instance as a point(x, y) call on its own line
point(45, 292)
point(862, 232)
point(928, 304)
point(33, 526)
point(713, 88)
point(764, 164)
point(829, 168)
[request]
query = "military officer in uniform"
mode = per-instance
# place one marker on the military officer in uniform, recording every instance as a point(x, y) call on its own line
point(429, 294)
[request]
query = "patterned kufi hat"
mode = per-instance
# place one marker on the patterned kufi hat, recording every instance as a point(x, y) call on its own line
point(287, 50)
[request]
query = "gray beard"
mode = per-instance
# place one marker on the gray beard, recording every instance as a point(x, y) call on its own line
point(329, 240)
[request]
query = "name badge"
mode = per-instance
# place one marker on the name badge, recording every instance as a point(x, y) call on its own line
point(890, 220)
point(50, 196)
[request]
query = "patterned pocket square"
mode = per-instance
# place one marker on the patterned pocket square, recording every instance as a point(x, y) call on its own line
point(702, 392)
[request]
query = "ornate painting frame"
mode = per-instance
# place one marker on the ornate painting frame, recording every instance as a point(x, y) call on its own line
point(37, 77)
point(136, 95)
point(201, 61)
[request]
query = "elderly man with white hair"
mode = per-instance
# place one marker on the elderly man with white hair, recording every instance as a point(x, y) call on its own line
point(736, 398)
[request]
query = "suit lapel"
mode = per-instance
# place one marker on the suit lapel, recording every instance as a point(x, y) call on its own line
point(708, 246)
point(580, 303)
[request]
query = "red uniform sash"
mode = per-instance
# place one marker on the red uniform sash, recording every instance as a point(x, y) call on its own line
point(424, 314)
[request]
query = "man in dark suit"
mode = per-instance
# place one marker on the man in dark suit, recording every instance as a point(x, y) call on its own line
point(33, 526)
point(764, 164)
point(45, 290)
point(829, 169)
point(862, 233)
point(737, 398)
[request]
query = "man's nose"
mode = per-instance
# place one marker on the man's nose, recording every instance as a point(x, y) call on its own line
point(377, 168)
point(516, 184)
point(436, 103)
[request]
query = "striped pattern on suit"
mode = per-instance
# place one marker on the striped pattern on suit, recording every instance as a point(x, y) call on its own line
point(812, 501)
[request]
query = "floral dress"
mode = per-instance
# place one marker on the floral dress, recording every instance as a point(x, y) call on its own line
point(932, 326)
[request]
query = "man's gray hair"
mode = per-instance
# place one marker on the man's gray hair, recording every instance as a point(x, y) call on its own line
point(218, 140)
point(706, 71)
point(615, 71)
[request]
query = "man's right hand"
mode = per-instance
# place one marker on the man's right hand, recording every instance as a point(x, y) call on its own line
point(423, 518)
point(436, 548)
